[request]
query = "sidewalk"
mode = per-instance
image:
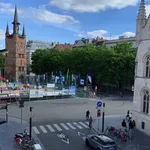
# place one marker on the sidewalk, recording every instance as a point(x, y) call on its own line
point(7, 132)
point(139, 141)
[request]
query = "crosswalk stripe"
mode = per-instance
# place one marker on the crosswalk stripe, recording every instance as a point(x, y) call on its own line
point(64, 126)
point(83, 124)
point(36, 130)
point(87, 122)
point(77, 125)
point(57, 127)
point(43, 129)
point(50, 128)
point(70, 125)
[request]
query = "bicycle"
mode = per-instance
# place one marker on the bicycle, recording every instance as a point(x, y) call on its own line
point(109, 130)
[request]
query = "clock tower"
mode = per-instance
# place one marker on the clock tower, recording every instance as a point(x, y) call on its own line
point(15, 62)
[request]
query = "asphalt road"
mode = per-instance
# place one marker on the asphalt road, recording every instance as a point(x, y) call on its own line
point(66, 139)
point(57, 122)
point(67, 134)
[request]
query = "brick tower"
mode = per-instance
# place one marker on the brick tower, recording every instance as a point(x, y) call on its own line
point(15, 63)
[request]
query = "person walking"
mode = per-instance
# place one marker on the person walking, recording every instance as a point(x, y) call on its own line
point(124, 125)
point(127, 116)
point(130, 128)
point(87, 115)
point(130, 116)
point(90, 122)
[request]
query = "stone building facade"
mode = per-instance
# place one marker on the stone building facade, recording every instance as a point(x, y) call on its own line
point(15, 63)
point(141, 102)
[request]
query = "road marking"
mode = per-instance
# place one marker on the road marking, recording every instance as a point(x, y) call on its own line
point(43, 129)
point(50, 128)
point(87, 122)
point(36, 130)
point(64, 126)
point(70, 125)
point(67, 141)
point(77, 125)
point(57, 127)
point(83, 124)
point(80, 133)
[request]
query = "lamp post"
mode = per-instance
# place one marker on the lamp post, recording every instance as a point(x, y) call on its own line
point(30, 123)
point(103, 117)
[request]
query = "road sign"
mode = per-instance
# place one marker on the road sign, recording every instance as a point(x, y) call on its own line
point(99, 104)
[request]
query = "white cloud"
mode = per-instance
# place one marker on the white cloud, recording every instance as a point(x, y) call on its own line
point(2, 34)
point(6, 8)
point(92, 5)
point(44, 15)
point(95, 33)
point(40, 14)
point(104, 34)
point(128, 34)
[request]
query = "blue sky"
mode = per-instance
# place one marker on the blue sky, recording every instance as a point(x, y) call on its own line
point(68, 20)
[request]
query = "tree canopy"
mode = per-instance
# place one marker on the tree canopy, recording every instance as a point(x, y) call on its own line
point(113, 65)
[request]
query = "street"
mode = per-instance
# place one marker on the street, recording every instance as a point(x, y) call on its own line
point(66, 134)
point(61, 124)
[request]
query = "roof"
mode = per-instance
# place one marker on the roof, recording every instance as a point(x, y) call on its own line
point(3, 50)
point(105, 138)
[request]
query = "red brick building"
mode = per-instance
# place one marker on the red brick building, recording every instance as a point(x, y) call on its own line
point(15, 63)
point(64, 46)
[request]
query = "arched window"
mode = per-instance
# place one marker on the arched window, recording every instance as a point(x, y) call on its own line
point(145, 108)
point(147, 71)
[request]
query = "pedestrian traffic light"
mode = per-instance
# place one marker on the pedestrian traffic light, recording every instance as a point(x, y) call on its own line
point(21, 102)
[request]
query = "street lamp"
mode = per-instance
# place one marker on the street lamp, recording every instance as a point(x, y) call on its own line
point(30, 123)
point(103, 117)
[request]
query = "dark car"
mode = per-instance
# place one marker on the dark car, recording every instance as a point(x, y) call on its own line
point(100, 142)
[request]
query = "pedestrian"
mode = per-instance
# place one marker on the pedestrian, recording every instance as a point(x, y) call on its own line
point(130, 128)
point(130, 116)
point(87, 115)
point(127, 116)
point(124, 125)
point(133, 124)
point(90, 122)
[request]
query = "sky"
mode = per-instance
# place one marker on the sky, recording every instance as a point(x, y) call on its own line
point(65, 21)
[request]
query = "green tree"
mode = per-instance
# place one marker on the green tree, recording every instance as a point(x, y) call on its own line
point(113, 65)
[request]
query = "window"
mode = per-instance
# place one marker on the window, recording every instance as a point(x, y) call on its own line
point(22, 68)
point(21, 50)
point(143, 125)
point(21, 62)
point(145, 102)
point(19, 68)
point(147, 72)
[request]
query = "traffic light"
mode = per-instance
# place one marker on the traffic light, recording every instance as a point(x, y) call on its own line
point(21, 102)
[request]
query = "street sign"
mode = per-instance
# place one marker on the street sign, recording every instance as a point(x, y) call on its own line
point(99, 104)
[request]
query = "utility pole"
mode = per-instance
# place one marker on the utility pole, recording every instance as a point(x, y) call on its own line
point(6, 113)
point(30, 123)
point(103, 118)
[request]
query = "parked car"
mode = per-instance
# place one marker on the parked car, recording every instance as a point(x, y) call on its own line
point(100, 142)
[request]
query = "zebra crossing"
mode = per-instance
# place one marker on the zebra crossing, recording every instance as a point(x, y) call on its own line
point(59, 127)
